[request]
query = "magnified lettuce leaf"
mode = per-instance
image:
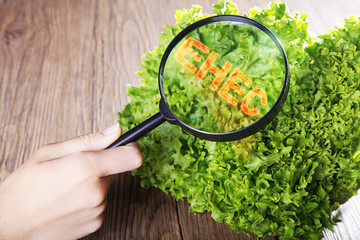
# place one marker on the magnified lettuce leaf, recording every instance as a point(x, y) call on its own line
point(285, 180)
point(246, 52)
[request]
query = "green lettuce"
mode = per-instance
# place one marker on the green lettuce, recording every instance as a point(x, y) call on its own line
point(286, 179)
point(246, 48)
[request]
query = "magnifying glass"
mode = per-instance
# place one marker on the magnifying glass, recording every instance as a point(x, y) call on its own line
point(222, 79)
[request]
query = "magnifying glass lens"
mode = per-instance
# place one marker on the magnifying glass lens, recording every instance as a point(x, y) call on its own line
point(223, 76)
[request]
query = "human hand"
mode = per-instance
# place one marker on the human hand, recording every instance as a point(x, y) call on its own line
point(60, 192)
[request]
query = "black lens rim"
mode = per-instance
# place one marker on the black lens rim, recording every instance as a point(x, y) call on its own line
point(234, 135)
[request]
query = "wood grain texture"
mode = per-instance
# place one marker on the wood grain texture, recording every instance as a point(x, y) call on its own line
point(64, 68)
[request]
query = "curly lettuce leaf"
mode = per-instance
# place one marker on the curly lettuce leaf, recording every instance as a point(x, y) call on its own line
point(286, 179)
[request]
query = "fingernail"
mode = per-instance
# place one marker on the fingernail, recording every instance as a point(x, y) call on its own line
point(110, 129)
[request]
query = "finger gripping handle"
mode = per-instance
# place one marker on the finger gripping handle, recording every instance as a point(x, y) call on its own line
point(140, 130)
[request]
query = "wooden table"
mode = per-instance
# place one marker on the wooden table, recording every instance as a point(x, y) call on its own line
point(64, 68)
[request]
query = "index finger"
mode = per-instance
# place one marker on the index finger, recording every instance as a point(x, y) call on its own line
point(116, 160)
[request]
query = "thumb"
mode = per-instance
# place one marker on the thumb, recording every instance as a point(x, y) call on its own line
point(88, 142)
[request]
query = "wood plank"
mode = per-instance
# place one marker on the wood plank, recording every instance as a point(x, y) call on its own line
point(37, 103)
point(202, 226)
point(121, 38)
point(138, 213)
point(45, 86)
point(21, 66)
